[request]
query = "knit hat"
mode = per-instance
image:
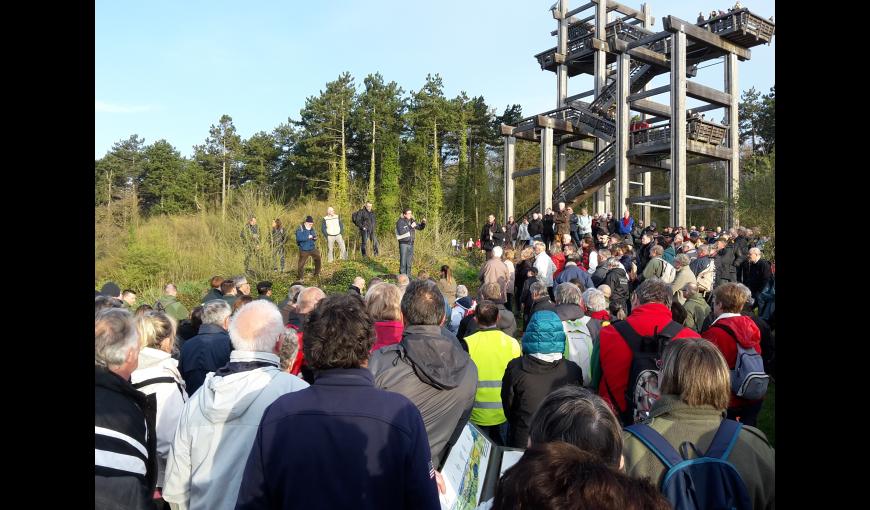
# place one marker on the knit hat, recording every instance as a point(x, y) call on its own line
point(309, 219)
point(110, 289)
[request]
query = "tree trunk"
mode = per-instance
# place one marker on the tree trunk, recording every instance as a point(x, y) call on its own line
point(224, 182)
point(371, 193)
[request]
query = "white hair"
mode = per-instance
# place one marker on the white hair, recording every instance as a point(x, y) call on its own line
point(613, 263)
point(114, 335)
point(215, 312)
point(257, 326)
point(755, 250)
point(497, 252)
point(461, 291)
point(594, 300)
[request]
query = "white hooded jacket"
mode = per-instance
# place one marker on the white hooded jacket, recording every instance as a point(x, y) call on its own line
point(217, 429)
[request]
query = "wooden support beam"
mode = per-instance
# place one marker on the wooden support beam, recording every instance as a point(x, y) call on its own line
point(623, 65)
point(624, 9)
point(580, 96)
point(651, 107)
point(598, 44)
point(558, 125)
point(650, 198)
point(733, 179)
point(649, 93)
point(645, 41)
point(546, 198)
point(678, 129)
point(510, 145)
point(506, 130)
point(709, 94)
point(703, 36)
point(645, 55)
point(582, 145)
point(580, 9)
point(525, 173)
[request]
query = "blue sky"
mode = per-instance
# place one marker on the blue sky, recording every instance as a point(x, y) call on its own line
point(170, 69)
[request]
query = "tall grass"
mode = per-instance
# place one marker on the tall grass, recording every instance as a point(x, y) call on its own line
point(188, 249)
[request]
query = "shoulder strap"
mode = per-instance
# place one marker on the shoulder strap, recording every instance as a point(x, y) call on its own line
point(656, 444)
point(628, 333)
point(671, 330)
point(159, 380)
point(725, 328)
point(724, 439)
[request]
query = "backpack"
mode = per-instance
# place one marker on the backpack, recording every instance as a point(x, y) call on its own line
point(581, 338)
point(643, 375)
point(748, 379)
point(706, 278)
point(669, 272)
point(159, 306)
point(707, 481)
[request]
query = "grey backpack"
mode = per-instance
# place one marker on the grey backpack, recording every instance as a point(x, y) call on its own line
point(748, 379)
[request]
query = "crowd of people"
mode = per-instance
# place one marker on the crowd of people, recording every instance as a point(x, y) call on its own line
point(599, 345)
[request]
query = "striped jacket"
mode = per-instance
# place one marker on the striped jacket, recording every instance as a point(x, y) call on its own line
point(125, 457)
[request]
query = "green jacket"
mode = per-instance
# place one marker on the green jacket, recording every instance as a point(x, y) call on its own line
point(173, 307)
point(696, 311)
point(752, 455)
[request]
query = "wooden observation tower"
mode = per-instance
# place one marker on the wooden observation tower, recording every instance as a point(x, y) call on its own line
point(615, 45)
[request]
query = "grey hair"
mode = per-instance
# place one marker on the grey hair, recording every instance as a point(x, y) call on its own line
point(594, 300)
point(294, 291)
point(289, 348)
point(568, 293)
point(308, 299)
point(703, 249)
point(538, 288)
point(755, 250)
point(655, 290)
point(603, 254)
point(683, 259)
point(461, 291)
point(215, 312)
point(746, 292)
point(256, 327)
point(657, 250)
point(238, 281)
point(613, 262)
point(539, 243)
point(114, 335)
point(690, 290)
point(497, 251)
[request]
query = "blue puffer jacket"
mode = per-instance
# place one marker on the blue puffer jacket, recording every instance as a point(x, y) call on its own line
point(544, 334)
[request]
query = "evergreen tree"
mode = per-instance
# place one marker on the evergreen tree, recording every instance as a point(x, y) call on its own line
point(378, 116)
point(428, 119)
point(388, 192)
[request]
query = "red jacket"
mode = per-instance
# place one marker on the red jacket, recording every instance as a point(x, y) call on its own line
point(387, 333)
point(602, 315)
point(559, 261)
point(748, 335)
point(615, 356)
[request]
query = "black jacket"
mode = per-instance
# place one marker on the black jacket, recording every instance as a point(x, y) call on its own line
point(364, 219)
point(613, 225)
point(434, 373)
point(512, 230)
point(536, 227)
point(208, 351)
point(543, 303)
point(527, 381)
point(506, 322)
point(725, 269)
point(643, 256)
point(599, 273)
point(489, 239)
point(617, 280)
point(404, 226)
point(212, 295)
point(120, 417)
point(547, 223)
point(756, 276)
point(741, 250)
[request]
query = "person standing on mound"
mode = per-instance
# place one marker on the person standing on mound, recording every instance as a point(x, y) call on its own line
point(405, 228)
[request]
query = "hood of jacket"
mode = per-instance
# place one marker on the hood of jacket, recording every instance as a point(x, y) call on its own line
point(225, 398)
point(569, 311)
point(544, 334)
point(150, 357)
point(748, 334)
point(438, 361)
point(467, 302)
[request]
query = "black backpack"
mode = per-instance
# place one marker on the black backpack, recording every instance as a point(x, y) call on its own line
point(643, 376)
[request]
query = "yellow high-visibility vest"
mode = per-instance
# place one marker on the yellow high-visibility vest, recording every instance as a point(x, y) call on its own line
point(491, 350)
